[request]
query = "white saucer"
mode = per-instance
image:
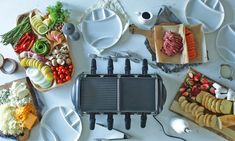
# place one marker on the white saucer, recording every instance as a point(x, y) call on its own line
point(60, 124)
point(210, 13)
point(225, 42)
point(102, 28)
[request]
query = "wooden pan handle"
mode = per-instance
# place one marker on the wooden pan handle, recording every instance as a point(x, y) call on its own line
point(133, 29)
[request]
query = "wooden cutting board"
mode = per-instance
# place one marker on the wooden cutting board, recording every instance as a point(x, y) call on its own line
point(227, 133)
point(26, 133)
point(154, 42)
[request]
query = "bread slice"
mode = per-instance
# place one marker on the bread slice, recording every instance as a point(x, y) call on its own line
point(226, 107)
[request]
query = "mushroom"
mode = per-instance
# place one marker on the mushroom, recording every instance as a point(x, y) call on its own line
point(48, 63)
point(60, 61)
point(54, 62)
point(68, 61)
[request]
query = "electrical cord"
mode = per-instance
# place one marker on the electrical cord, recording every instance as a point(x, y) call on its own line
point(165, 131)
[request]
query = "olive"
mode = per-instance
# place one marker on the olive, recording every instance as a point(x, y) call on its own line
point(68, 28)
point(75, 36)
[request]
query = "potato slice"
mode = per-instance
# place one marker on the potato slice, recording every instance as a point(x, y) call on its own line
point(209, 103)
point(217, 105)
point(213, 105)
point(213, 121)
point(181, 99)
point(200, 120)
point(191, 106)
point(199, 97)
point(208, 120)
point(182, 105)
point(187, 107)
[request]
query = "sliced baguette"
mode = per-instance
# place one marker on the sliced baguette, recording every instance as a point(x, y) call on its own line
point(226, 107)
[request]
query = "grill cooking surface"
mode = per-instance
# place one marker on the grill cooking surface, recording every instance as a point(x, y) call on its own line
point(137, 94)
point(99, 94)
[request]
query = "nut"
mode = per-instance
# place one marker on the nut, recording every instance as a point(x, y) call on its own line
point(68, 61)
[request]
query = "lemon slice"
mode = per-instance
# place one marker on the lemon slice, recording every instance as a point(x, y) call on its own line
point(42, 29)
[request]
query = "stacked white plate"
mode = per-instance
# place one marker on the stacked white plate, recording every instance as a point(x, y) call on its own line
point(209, 13)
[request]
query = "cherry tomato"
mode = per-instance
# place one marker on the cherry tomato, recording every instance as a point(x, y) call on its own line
point(68, 78)
point(70, 66)
point(61, 76)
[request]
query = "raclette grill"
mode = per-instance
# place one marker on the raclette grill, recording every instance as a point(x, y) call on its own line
point(118, 94)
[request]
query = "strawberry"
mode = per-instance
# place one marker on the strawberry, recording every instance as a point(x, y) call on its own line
point(185, 94)
point(195, 90)
point(204, 87)
point(190, 74)
point(190, 82)
point(197, 77)
point(212, 90)
point(204, 80)
point(182, 89)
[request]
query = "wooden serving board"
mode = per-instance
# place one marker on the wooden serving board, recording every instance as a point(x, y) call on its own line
point(65, 42)
point(153, 37)
point(227, 132)
point(26, 80)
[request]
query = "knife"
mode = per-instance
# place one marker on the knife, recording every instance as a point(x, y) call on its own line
point(117, 135)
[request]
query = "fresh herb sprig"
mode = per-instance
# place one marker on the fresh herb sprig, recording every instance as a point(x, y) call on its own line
point(57, 15)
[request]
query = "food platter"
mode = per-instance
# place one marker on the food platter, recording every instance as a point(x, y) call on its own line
point(19, 98)
point(203, 101)
point(209, 13)
point(43, 49)
point(98, 28)
point(225, 42)
point(70, 124)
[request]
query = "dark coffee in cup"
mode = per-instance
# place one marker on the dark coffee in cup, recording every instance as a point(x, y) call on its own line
point(146, 15)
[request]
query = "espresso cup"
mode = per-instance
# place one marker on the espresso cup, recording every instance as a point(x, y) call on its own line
point(145, 17)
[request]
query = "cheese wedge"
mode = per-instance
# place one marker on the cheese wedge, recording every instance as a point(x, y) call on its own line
point(227, 120)
point(30, 120)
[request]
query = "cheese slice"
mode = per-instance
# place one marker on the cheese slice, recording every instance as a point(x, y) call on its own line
point(30, 120)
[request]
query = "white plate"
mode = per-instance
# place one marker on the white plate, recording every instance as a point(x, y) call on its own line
point(210, 13)
point(102, 28)
point(60, 124)
point(225, 42)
